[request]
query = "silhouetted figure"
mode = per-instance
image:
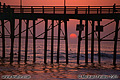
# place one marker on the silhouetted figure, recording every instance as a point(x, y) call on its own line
point(114, 8)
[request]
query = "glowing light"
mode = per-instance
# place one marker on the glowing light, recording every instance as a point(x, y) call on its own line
point(73, 35)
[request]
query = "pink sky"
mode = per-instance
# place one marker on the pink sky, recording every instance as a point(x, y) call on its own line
point(61, 2)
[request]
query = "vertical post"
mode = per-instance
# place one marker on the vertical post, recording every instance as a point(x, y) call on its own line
point(32, 10)
point(21, 6)
point(19, 49)
point(58, 48)
point(43, 9)
point(76, 10)
point(26, 41)
point(0, 7)
point(64, 9)
point(66, 40)
point(88, 9)
point(34, 45)
point(3, 39)
point(100, 9)
point(64, 2)
point(12, 25)
point(20, 3)
point(115, 42)
point(52, 41)
point(45, 43)
point(53, 10)
point(99, 56)
point(109, 11)
point(92, 43)
point(79, 42)
point(4, 10)
point(97, 11)
point(86, 42)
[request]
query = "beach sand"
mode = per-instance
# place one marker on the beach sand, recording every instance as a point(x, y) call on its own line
point(57, 71)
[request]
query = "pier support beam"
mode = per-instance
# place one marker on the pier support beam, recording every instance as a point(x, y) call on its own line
point(3, 39)
point(19, 49)
point(79, 42)
point(115, 42)
point(45, 43)
point(66, 40)
point(92, 43)
point(12, 25)
point(99, 56)
point(58, 48)
point(52, 41)
point(26, 41)
point(34, 45)
point(86, 42)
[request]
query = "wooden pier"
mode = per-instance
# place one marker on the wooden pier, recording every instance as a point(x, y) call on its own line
point(60, 13)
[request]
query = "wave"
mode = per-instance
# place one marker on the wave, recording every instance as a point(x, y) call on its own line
point(109, 55)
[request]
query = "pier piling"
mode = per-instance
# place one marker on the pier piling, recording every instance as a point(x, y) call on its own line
point(52, 41)
point(99, 56)
point(66, 40)
point(12, 23)
point(26, 41)
point(45, 42)
point(115, 42)
point(58, 47)
point(79, 43)
point(34, 42)
point(19, 48)
point(92, 43)
point(3, 39)
point(86, 41)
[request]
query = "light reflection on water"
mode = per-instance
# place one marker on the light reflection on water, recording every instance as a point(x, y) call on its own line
point(106, 52)
point(56, 71)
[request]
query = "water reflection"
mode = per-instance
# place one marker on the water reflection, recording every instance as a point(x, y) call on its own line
point(55, 71)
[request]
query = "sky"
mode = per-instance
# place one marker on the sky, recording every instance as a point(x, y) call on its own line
point(71, 23)
point(61, 2)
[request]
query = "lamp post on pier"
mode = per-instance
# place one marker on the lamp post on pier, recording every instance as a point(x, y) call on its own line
point(64, 2)
point(21, 6)
point(20, 3)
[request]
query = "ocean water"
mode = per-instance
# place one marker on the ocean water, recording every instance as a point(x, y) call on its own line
point(61, 71)
point(107, 49)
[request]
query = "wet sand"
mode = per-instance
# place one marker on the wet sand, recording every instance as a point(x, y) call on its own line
point(57, 71)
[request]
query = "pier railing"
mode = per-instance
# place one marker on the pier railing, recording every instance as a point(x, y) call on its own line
point(64, 9)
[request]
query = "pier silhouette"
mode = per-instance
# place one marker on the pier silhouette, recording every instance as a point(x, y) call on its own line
point(62, 14)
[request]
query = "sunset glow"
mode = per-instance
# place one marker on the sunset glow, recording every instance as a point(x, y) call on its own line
point(73, 35)
point(60, 39)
